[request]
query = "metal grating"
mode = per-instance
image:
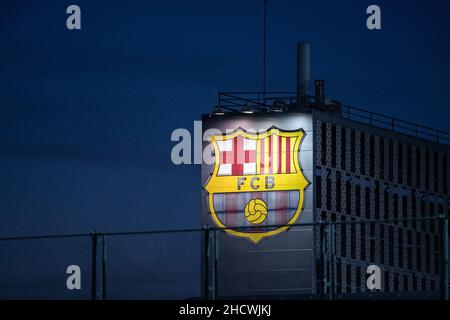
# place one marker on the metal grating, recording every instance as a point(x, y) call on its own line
point(360, 175)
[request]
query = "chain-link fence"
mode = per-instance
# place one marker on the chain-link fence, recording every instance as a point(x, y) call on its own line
point(35, 267)
point(403, 258)
point(411, 256)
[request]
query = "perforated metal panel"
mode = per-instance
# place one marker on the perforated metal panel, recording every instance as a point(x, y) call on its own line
point(364, 174)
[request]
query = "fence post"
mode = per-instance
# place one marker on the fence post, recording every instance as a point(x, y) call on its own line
point(211, 263)
point(444, 259)
point(206, 262)
point(94, 238)
point(103, 267)
point(322, 232)
point(214, 253)
point(328, 260)
point(328, 256)
point(332, 262)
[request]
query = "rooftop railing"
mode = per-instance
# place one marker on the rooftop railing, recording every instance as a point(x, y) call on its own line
point(286, 101)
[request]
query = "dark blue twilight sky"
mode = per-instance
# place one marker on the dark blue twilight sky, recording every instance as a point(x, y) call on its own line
point(86, 116)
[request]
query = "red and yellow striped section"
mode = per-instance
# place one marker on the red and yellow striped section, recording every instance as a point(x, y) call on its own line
point(276, 155)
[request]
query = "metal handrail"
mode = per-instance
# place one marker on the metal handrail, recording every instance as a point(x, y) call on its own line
point(234, 101)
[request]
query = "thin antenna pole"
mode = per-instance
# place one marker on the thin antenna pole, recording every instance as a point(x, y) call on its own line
point(264, 49)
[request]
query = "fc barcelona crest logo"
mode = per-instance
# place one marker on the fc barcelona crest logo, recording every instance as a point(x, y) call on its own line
point(257, 182)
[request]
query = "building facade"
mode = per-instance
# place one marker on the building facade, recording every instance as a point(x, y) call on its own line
point(364, 172)
point(379, 189)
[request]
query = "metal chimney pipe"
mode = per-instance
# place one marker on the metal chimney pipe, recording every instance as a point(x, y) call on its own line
point(303, 65)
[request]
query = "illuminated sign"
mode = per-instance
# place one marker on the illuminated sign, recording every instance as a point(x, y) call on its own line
point(256, 181)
